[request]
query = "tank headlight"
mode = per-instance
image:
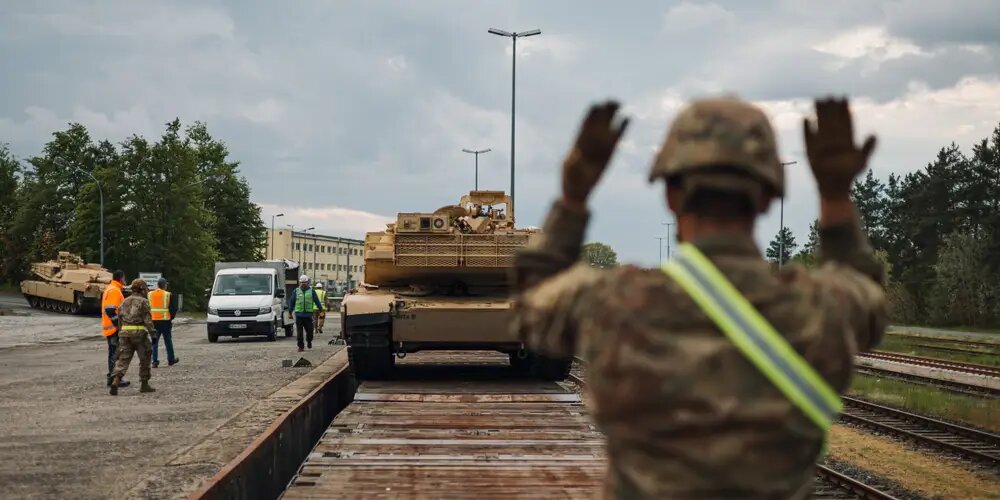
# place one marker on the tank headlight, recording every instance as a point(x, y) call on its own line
point(438, 223)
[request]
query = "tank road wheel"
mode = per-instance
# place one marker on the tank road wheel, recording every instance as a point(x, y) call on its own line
point(77, 304)
point(32, 300)
point(369, 352)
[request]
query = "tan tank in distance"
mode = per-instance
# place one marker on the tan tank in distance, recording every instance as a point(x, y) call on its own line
point(66, 284)
point(440, 281)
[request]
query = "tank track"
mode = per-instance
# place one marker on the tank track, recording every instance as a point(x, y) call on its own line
point(369, 352)
point(541, 367)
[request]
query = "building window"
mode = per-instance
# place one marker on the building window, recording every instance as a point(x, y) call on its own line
point(297, 246)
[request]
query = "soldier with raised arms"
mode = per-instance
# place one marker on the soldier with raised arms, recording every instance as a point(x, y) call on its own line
point(717, 375)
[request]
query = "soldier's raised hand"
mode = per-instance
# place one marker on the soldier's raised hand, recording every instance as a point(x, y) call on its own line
point(599, 134)
point(834, 158)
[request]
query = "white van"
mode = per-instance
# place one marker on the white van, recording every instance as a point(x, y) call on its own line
point(247, 301)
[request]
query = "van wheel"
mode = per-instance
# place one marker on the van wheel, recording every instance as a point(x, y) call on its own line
point(213, 338)
point(288, 330)
point(273, 332)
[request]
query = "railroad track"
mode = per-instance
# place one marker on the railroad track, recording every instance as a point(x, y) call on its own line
point(970, 368)
point(830, 484)
point(456, 431)
point(979, 446)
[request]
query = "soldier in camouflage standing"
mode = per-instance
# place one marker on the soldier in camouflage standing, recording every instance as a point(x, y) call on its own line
point(718, 375)
point(136, 331)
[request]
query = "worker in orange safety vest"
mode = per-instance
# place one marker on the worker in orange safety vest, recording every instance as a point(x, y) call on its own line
point(163, 306)
point(111, 299)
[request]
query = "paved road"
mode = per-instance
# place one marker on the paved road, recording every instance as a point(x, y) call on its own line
point(65, 437)
point(13, 301)
point(945, 333)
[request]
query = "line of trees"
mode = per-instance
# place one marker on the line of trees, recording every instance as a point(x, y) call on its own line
point(938, 230)
point(174, 206)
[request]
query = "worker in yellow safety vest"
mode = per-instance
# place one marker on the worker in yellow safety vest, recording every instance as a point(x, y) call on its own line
point(111, 300)
point(302, 303)
point(163, 305)
point(319, 315)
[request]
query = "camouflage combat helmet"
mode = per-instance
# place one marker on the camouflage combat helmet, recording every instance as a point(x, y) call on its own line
point(138, 285)
point(724, 132)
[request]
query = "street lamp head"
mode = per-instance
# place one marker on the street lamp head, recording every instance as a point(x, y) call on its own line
point(279, 215)
point(308, 229)
point(487, 150)
point(467, 151)
point(500, 32)
point(529, 33)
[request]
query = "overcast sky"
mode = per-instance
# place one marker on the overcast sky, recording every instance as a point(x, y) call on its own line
point(344, 113)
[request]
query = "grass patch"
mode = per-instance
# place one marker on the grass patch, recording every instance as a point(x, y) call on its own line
point(942, 349)
point(979, 411)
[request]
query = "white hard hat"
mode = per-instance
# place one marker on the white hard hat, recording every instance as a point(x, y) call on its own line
point(319, 284)
point(304, 279)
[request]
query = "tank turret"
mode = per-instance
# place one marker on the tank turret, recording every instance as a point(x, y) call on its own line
point(66, 284)
point(440, 281)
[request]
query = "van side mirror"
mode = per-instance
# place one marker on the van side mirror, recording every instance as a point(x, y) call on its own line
point(280, 294)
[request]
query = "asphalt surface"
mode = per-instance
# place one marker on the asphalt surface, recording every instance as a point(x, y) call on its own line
point(65, 437)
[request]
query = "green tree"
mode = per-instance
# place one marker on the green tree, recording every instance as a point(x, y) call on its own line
point(237, 227)
point(170, 226)
point(776, 252)
point(869, 198)
point(809, 255)
point(599, 255)
point(9, 172)
point(962, 294)
point(46, 204)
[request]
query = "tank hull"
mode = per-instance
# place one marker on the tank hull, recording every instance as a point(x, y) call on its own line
point(440, 281)
point(72, 298)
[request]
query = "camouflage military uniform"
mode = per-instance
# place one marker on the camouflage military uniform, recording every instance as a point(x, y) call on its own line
point(135, 311)
point(685, 412)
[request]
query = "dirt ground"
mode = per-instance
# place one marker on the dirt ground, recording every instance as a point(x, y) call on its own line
point(63, 436)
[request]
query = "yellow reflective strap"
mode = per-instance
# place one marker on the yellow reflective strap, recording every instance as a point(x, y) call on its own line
point(133, 327)
point(754, 336)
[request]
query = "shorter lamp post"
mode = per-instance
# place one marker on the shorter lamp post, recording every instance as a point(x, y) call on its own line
point(273, 241)
point(477, 153)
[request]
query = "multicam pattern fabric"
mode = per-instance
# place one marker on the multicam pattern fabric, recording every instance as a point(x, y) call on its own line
point(686, 415)
point(714, 132)
point(140, 346)
point(135, 311)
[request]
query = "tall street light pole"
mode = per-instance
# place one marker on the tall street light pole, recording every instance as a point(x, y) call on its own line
point(513, 81)
point(273, 241)
point(302, 251)
point(100, 192)
point(477, 153)
point(781, 219)
point(668, 224)
point(660, 239)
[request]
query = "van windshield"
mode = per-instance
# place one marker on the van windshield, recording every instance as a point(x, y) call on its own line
point(243, 284)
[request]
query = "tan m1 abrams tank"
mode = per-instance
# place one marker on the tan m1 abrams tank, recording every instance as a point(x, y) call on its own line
point(440, 281)
point(66, 284)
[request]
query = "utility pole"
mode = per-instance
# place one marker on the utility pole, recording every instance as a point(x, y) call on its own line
point(781, 218)
point(668, 224)
point(660, 248)
point(513, 35)
point(272, 241)
point(477, 153)
point(302, 252)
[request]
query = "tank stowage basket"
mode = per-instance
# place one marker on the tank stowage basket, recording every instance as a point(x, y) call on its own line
point(457, 250)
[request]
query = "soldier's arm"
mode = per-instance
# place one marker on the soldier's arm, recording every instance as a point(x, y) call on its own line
point(552, 284)
point(147, 318)
point(850, 270)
